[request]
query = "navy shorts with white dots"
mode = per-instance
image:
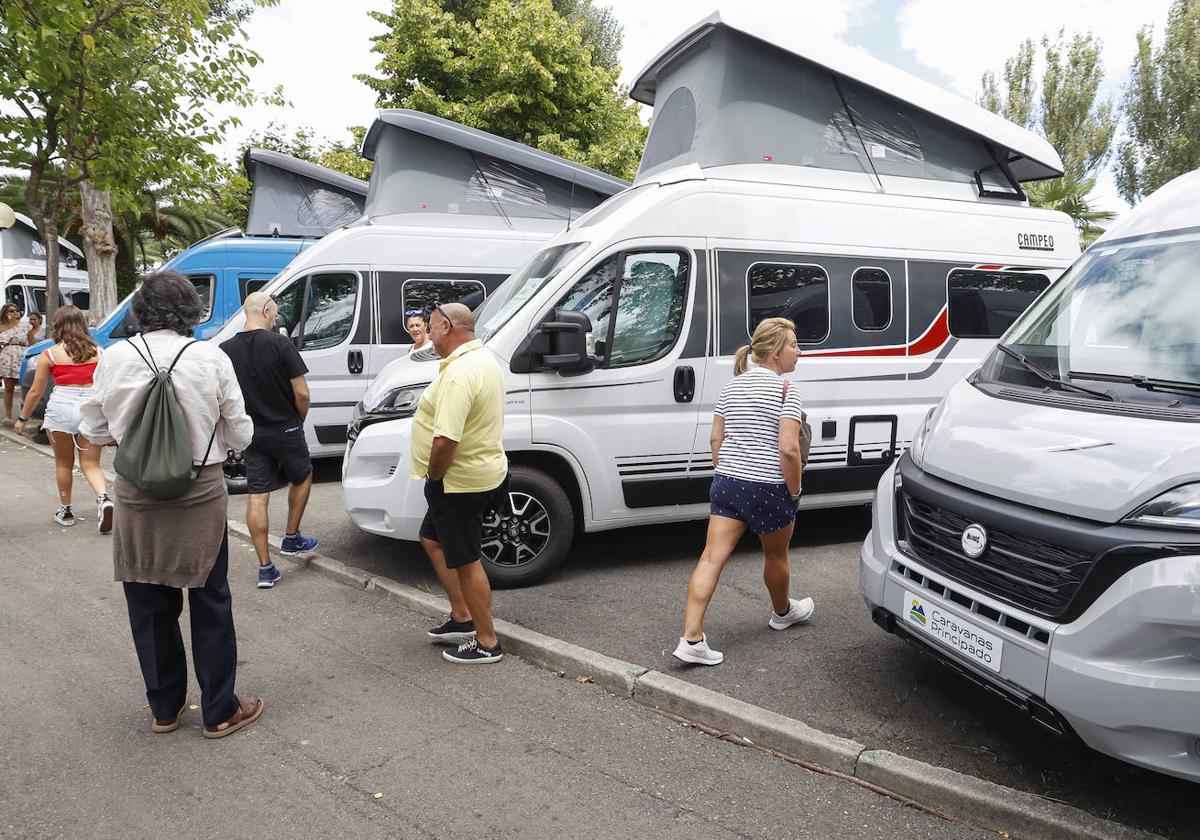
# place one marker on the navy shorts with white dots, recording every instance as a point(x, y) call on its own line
point(763, 507)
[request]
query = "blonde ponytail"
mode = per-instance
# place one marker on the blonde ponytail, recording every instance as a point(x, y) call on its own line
point(741, 360)
point(770, 337)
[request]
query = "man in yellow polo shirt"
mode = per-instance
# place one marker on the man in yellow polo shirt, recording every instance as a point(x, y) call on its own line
point(459, 451)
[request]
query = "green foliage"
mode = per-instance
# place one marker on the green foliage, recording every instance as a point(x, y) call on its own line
point(599, 27)
point(231, 195)
point(1161, 106)
point(1070, 196)
point(1067, 114)
point(516, 68)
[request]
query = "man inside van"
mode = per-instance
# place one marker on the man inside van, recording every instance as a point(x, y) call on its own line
point(458, 450)
point(271, 374)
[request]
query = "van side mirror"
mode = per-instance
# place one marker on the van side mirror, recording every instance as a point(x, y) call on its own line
point(558, 343)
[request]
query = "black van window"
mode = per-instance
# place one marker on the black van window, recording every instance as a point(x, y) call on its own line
point(872, 298)
point(797, 292)
point(983, 304)
point(420, 295)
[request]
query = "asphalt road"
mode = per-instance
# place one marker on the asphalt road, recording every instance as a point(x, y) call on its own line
point(366, 732)
point(621, 593)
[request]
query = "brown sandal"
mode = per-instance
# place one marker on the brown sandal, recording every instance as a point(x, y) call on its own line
point(163, 725)
point(244, 716)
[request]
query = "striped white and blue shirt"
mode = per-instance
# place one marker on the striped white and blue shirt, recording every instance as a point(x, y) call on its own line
point(752, 405)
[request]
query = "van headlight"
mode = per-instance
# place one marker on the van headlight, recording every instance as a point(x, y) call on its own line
point(397, 402)
point(1178, 508)
point(916, 449)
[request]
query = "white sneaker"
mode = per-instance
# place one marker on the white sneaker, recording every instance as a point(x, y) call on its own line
point(64, 516)
point(800, 611)
point(104, 513)
point(697, 654)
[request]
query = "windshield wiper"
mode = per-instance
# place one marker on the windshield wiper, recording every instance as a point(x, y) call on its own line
point(1148, 382)
point(1047, 376)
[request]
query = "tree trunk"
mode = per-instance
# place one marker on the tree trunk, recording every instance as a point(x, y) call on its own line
point(49, 232)
point(100, 248)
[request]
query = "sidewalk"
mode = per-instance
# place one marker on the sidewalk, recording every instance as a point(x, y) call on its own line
point(357, 704)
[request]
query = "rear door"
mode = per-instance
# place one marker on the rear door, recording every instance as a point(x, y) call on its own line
point(327, 314)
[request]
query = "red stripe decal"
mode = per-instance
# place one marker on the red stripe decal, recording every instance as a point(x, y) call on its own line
point(932, 339)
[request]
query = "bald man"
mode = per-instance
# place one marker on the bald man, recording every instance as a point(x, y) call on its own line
point(271, 373)
point(458, 450)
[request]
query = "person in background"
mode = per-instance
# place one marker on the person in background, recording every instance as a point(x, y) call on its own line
point(71, 361)
point(271, 374)
point(756, 455)
point(163, 546)
point(457, 448)
point(13, 341)
point(414, 322)
point(36, 331)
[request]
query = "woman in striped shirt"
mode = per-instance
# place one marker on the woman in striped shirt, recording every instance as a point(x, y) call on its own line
point(756, 454)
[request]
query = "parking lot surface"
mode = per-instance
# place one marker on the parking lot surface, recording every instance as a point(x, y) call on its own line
point(621, 593)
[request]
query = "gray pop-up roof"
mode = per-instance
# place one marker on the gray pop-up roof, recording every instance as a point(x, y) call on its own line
point(293, 197)
point(428, 165)
point(22, 242)
point(726, 93)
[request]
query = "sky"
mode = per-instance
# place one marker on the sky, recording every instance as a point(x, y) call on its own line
point(313, 48)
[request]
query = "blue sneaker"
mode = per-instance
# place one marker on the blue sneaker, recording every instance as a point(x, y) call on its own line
point(267, 575)
point(297, 543)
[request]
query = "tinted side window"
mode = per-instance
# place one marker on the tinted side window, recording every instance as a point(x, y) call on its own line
point(418, 297)
point(249, 285)
point(650, 306)
point(329, 314)
point(872, 298)
point(16, 296)
point(205, 285)
point(983, 304)
point(799, 293)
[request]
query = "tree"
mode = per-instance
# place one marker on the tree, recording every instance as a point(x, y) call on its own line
point(1161, 108)
point(114, 92)
point(1067, 114)
point(516, 68)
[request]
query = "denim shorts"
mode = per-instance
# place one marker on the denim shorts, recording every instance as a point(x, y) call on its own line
point(763, 507)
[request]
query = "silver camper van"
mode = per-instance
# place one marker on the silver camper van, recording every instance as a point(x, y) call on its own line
point(1042, 533)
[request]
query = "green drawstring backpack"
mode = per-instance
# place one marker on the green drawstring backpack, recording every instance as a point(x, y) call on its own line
point(155, 454)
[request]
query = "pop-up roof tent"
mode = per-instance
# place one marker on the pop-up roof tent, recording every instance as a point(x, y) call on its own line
point(426, 165)
point(22, 242)
point(293, 197)
point(726, 94)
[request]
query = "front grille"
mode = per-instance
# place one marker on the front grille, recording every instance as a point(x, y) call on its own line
point(1028, 573)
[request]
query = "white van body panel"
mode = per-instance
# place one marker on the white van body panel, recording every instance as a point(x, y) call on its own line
point(337, 381)
point(618, 427)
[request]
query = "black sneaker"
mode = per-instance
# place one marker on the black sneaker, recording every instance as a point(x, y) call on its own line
point(472, 652)
point(451, 632)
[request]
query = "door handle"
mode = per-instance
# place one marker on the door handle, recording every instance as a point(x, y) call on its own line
point(354, 361)
point(685, 384)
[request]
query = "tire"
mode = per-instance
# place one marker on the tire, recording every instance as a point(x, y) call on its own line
point(540, 511)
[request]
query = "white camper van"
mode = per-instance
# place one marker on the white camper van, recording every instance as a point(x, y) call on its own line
point(1042, 535)
point(450, 212)
point(883, 216)
point(23, 269)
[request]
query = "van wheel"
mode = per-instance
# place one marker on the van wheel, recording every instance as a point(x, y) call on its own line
point(530, 537)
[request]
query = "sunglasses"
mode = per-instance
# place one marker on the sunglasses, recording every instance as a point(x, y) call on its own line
point(438, 308)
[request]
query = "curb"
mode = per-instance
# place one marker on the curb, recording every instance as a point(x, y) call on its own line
point(943, 791)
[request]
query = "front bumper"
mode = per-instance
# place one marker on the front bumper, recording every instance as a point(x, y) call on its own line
point(1124, 676)
point(378, 493)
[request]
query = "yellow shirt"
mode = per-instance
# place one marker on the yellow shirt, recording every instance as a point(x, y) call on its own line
point(465, 403)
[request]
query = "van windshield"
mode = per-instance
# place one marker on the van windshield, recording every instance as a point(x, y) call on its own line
point(520, 288)
point(1121, 324)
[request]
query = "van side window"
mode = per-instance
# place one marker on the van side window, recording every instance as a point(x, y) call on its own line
point(983, 304)
point(248, 285)
point(15, 295)
point(872, 298)
point(797, 292)
point(650, 304)
point(330, 303)
point(593, 296)
point(422, 295)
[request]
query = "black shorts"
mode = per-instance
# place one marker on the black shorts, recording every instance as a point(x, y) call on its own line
point(275, 458)
point(455, 520)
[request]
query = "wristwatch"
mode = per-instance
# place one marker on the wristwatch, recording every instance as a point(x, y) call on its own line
point(21, 419)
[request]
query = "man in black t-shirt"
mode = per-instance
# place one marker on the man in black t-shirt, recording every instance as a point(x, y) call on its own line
point(271, 373)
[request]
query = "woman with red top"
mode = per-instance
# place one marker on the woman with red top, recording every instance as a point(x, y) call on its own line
point(72, 362)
